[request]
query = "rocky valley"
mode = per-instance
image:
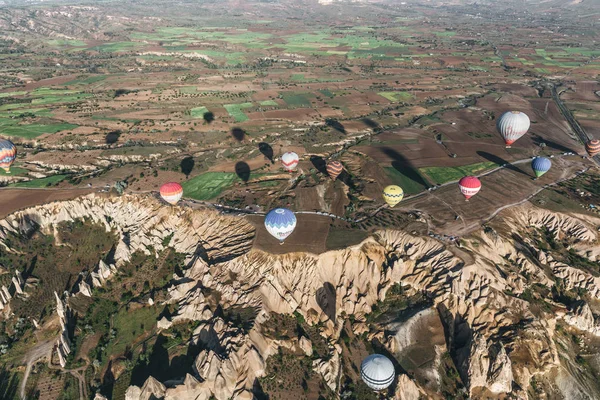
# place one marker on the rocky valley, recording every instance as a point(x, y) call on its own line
point(509, 311)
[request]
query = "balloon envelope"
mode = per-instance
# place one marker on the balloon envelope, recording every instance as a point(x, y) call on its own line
point(593, 147)
point(469, 186)
point(393, 195)
point(171, 192)
point(334, 169)
point(512, 125)
point(541, 165)
point(377, 371)
point(290, 160)
point(280, 223)
point(8, 154)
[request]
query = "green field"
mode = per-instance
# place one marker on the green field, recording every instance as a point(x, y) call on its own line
point(14, 171)
point(441, 175)
point(409, 180)
point(327, 92)
point(235, 110)
point(131, 324)
point(115, 47)
point(11, 94)
point(296, 100)
point(61, 99)
point(396, 96)
point(208, 185)
point(87, 81)
point(198, 112)
point(269, 103)
point(40, 183)
point(10, 127)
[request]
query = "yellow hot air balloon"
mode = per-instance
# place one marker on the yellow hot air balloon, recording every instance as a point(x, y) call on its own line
point(393, 195)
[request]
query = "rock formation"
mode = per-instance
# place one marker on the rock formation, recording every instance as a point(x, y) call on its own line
point(475, 291)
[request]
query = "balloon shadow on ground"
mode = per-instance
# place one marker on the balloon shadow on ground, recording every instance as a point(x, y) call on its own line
point(266, 150)
point(459, 336)
point(187, 165)
point(553, 145)
point(320, 164)
point(371, 124)
point(238, 134)
point(404, 167)
point(112, 137)
point(209, 117)
point(335, 124)
point(500, 161)
point(242, 169)
point(346, 178)
point(327, 300)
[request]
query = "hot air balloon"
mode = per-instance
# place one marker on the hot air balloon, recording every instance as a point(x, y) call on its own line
point(469, 186)
point(593, 147)
point(377, 371)
point(171, 192)
point(8, 153)
point(280, 223)
point(540, 166)
point(334, 169)
point(289, 160)
point(393, 195)
point(512, 125)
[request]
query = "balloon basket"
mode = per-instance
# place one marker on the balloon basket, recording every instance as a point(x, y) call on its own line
point(281, 243)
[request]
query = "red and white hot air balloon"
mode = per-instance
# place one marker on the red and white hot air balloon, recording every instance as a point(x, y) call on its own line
point(512, 125)
point(469, 186)
point(290, 160)
point(171, 192)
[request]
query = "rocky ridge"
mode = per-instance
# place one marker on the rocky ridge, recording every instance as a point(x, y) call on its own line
point(474, 289)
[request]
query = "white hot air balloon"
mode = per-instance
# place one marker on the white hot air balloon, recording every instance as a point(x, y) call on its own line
point(290, 160)
point(377, 371)
point(512, 125)
point(280, 223)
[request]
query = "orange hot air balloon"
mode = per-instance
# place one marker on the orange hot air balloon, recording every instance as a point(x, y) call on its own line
point(593, 147)
point(334, 169)
point(171, 192)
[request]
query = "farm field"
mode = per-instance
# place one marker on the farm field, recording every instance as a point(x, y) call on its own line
point(208, 185)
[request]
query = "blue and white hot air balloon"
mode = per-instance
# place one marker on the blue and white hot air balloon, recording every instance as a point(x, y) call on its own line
point(540, 166)
point(280, 223)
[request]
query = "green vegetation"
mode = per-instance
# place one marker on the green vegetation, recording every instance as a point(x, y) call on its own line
point(40, 183)
point(445, 33)
point(410, 180)
point(130, 324)
point(296, 100)
point(87, 81)
point(208, 185)
point(115, 47)
point(14, 171)
point(198, 112)
point(235, 110)
point(268, 103)
point(397, 96)
point(441, 175)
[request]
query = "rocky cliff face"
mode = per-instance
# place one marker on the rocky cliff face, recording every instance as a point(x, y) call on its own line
point(486, 295)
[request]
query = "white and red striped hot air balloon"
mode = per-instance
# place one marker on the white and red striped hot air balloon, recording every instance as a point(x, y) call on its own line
point(512, 125)
point(290, 160)
point(171, 192)
point(469, 186)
